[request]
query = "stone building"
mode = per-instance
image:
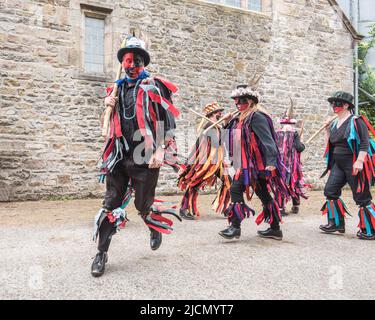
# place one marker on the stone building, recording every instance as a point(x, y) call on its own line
point(57, 56)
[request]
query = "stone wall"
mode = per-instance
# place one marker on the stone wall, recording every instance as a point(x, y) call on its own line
point(49, 133)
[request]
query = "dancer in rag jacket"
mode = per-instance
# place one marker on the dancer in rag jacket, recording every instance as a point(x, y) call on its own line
point(291, 147)
point(141, 135)
point(204, 166)
point(350, 156)
point(250, 140)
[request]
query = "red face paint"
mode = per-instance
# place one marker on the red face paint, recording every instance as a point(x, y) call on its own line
point(242, 107)
point(242, 104)
point(133, 64)
point(337, 109)
point(337, 106)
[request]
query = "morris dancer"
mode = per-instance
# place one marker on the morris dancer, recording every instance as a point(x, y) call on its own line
point(290, 147)
point(141, 130)
point(251, 143)
point(350, 156)
point(204, 166)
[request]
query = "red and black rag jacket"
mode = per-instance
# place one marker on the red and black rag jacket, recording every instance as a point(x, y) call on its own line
point(146, 110)
point(251, 143)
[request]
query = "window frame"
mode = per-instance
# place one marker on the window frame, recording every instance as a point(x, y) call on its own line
point(102, 13)
point(244, 5)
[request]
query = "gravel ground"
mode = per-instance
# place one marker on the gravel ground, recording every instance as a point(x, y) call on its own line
point(47, 250)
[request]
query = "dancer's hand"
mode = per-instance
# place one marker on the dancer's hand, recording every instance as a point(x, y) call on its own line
point(270, 168)
point(110, 101)
point(357, 167)
point(157, 159)
point(227, 163)
point(227, 117)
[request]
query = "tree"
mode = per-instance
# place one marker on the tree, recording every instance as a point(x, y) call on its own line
point(366, 78)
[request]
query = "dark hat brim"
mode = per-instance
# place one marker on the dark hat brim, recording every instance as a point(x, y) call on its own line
point(214, 111)
point(255, 99)
point(140, 51)
point(332, 99)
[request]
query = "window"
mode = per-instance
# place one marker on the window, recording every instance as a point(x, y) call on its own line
point(94, 45)
point(233, 3)
point(255, 5)
point(96, 41)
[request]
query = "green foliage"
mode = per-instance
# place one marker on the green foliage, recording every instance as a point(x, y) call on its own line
point(366, 77)
point(59, 198)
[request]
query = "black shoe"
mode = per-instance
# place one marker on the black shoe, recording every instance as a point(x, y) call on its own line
point(271, 234)
point(185, 214)
point(98, 265)
point(283, 213)
point(331, 227)
point(155, 239)
point(295, 209)
point(363, 236)
point(231, 232)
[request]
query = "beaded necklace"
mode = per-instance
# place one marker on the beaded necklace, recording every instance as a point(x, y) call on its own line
point(135, 102)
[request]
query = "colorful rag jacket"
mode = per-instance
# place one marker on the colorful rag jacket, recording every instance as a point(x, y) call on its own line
point(152, 97)
point(367, 175)
point(290, 150)
point(203, 167)
point(252, 157)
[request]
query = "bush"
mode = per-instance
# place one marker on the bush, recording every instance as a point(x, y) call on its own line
point(366, 78)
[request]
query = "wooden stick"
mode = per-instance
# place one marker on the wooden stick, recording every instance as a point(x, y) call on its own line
point(201, 115)
point(219, 121)
point(320, 130)
point(200, 125)
point(108, 111)
point(302, 127)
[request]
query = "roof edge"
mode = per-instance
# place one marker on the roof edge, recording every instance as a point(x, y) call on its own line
point(348, 24)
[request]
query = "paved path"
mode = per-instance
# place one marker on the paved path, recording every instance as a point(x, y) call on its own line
point(46, 252)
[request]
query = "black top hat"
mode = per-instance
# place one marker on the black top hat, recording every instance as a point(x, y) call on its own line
point(343, 97)
point(133, 44)
point(243, 90)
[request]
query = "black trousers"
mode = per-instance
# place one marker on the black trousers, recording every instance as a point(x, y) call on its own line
point(295, 200)
point(341, 174)
point(237, 190)
point(143, 180)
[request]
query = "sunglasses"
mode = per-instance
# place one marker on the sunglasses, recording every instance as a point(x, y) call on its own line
point(337, 104)
point(241, 100)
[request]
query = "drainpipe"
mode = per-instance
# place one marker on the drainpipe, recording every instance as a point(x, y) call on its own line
point(356, 84)
point(356, 75)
